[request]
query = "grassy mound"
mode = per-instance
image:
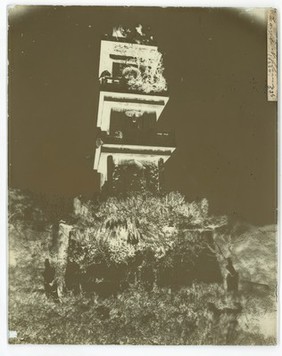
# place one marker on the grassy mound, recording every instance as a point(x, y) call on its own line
point(195, 314)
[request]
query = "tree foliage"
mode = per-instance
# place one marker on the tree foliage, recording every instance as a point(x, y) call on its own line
point(118, 230)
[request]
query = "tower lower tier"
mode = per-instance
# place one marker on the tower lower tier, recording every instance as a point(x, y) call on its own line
point(131, 167)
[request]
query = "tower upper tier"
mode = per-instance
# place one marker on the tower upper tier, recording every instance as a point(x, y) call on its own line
point(131, 67)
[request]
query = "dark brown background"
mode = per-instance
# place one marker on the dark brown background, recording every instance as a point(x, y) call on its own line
point(215, 62)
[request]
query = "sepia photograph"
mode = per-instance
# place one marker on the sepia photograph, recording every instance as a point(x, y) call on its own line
point(142, 175)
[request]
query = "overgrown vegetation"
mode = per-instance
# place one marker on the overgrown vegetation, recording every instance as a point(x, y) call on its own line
point(145, 78)
point(146, 238)
point(136, 316)
point(155, 243)
point(119, 228)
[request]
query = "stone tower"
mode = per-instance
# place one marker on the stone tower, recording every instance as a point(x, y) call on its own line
point(130, 152)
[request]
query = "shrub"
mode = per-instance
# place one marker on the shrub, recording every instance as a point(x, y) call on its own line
point(143, 233)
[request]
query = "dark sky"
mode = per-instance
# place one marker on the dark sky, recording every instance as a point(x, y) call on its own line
point(215, 61)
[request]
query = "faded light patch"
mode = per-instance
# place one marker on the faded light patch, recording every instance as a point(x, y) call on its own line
point(12, 334)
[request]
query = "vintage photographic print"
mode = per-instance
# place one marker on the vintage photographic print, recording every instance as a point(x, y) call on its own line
point(142, 198)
